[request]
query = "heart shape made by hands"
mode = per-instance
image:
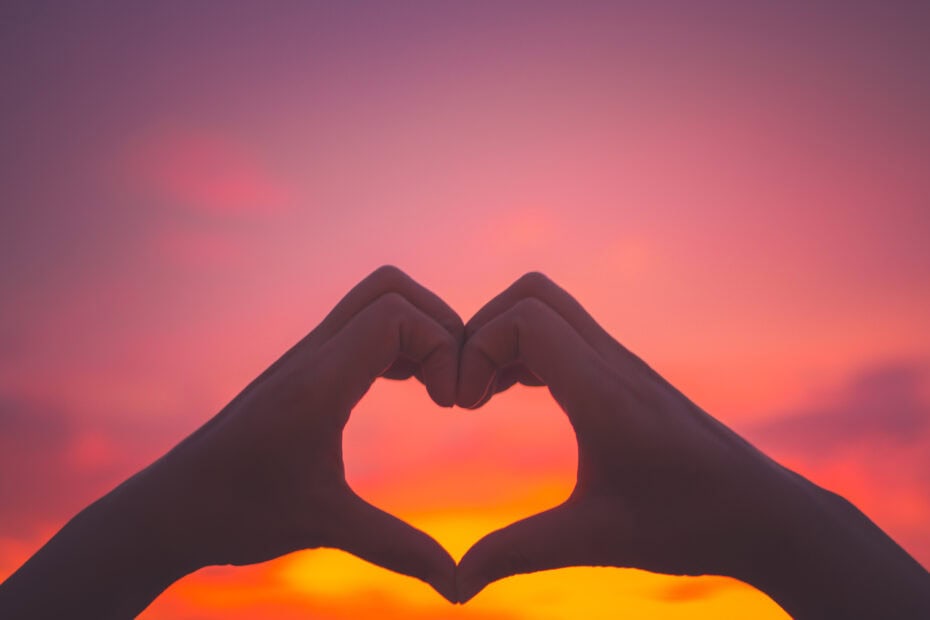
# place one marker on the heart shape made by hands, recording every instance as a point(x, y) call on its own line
point(655, 473)
point(457, 475)
point(661, 485)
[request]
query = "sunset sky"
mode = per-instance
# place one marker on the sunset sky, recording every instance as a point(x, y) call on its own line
point(738, 191)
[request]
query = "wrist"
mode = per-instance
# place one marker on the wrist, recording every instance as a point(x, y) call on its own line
point(154, 517)
point(140, 553)
point(818, 556)
point(110, 561)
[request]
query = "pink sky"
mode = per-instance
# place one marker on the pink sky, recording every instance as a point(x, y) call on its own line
point(737, 191)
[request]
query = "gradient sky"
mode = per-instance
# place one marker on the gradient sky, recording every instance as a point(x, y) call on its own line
point(738, 191)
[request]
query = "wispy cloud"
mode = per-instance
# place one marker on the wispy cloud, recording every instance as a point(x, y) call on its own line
point(55, 463)
point(871, 443)
point(208, 172)
point(882, 403)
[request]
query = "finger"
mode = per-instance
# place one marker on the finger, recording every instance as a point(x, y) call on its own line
point(385, 279)
point(536, 285)
point(533, 335)
point(383, 539)
point(388, 330)
point(388, 279)
point(550, 539)
point(401, 369)
point(510, 376)
point(504, 379)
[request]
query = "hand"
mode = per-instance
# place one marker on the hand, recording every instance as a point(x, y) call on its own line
point(659, 481)
point(663, 486)
point(265, 476)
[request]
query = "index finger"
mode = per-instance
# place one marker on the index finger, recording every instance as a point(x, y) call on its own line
point(382, 281)
point(535, 285)
point(533, 335)
point(388, 279)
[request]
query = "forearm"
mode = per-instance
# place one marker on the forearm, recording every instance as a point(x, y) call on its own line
point(824, 559)
point(109, 561)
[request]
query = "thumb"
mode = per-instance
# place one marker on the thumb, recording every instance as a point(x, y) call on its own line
point(550, 539)
point(383, 539)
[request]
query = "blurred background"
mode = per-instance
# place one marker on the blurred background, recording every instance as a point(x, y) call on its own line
point(738, 191)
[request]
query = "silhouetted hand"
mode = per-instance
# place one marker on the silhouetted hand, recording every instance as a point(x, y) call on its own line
point(663, 486)
point(265, 476)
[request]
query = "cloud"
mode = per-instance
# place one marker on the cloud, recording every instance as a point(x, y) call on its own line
point(52, 466)
point(208, 173)
point(882, 403)
point(33, 441)
point(871, 444)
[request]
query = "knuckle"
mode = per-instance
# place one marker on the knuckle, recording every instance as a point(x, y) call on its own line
point(480, 346)
point(449, 342)
point(391, 307)
point(388, 275)
point(529, 310)
point(470, 331)
point(443, 348)
point(534, 281)
point(454, 325)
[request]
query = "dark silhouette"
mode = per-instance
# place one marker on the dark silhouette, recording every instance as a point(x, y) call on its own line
point(662, 485)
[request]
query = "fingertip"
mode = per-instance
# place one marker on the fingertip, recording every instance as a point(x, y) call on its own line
point(438, 568)
point(443, 581)
point(383, 539)
point(470, 401)
point(447, 592)
point(456, 327)
point(438, 355)
point(475, 379)
point(467, 587)
point(440, 379)
point(442, 397)
point(462, 400)
point(484, 398)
